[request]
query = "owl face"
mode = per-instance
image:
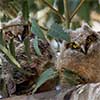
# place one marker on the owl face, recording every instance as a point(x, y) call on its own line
point(84, 41)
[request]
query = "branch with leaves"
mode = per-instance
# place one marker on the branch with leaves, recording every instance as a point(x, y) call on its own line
point(77, 9)
point(67, 19)
point(53, 9)
point(66, 11)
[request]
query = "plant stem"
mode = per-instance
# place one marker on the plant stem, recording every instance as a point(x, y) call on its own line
point(77, 9)
point(12, 25)
point(7, 26)
point(66, 11)
point(44, 28)
point(54, 10)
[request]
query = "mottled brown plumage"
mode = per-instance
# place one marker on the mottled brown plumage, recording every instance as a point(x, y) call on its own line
point(86, 63)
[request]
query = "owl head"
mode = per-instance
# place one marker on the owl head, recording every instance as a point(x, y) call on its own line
point(83, 40)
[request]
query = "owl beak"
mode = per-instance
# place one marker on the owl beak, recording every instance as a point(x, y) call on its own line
point(83, 49)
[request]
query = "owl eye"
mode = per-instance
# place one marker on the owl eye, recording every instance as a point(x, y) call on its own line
point(74, 45)
point(90, 39)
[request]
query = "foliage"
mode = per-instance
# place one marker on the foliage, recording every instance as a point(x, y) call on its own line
point(36, 30)
point(45, 76)
point(13, 60)
point(72, 77)
point(1, 38)
point(12, 48)
point(35, 45)
point(56, 31)
point(25, 9)
point(9, 53)
point(27, 48)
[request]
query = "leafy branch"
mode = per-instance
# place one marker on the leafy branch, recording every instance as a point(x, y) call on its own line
point(67, 19)
point(12, 25)
point(77, 9)
point(54, 10)
point(66, 11)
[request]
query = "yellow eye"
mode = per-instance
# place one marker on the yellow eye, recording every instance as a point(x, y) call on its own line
point(73, 45)
point(89, 41)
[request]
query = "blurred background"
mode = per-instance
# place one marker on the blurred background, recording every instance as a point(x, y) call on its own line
point(89, 12)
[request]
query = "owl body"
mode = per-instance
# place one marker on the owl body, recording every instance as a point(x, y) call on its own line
point(86, 65)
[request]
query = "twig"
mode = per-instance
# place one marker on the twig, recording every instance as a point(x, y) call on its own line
point(54, 10)
point(44, 28)
point(7, 26)
point(77, 9)
point(66, 11)
point(12, 25)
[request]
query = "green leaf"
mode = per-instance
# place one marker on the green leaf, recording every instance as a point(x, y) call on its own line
point(36, 30)
point(58, 33)
point(84, 12)
point(72, 4)
point(51, 1)
point(4, 18)
point(72, 77)
point(32, 6)
point(45, 76)
point(9, 55)
point(2, 42)
point(27, 48)
point(25, 9)
point(60, 5)
point(12, 48)
point(36, 47)
point(75, 25)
